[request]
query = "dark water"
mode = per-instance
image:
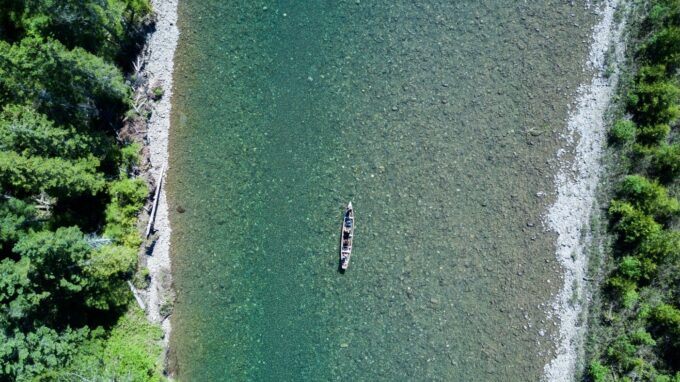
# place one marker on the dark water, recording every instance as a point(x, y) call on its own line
point(439, 120)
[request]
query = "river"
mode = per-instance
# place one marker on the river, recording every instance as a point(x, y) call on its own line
point(439, 120)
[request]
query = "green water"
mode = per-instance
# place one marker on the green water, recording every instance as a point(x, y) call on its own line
point(439, 120)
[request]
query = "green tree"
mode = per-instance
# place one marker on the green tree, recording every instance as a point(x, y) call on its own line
point(654, 101)
point(56, 176)
point(666, 160)
point(30, 133)
point(16, 217)
point(29, 356)
point(69, 86)
point(107, 269)
point(56, 260)
point(127, 198)
point(632, 224)
point(667, 316)
point(663, 47)
point(19, 298)
point(653, 134)
point(648, 196)
point(623, 131)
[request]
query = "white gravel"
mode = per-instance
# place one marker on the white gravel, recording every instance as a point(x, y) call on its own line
point(158, 68)
point(576, 184)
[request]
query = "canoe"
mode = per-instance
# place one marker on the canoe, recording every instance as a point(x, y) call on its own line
point(346, 237)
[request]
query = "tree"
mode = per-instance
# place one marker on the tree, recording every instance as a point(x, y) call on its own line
point(653, 134)
point(663, 47)
point(654, 100)
point(69, 86)
point(632, 224)
point(57, 260)
point(56, 176)
point(648, 196)
point(127, 198)
point(27, 356)
point(623, 131)
point(107, 269)
point(18, 297)
point(16, 217)
point(666, 160)
point(110, 29)
point(30, 133)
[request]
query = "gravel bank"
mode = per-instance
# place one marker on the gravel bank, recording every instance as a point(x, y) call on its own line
point(576, 184)
point(157, 69)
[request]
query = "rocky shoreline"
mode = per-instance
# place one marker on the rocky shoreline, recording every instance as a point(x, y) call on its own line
point(576, 185)
point(154, 71)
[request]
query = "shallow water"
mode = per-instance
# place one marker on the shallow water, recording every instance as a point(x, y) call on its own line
point(439, 121)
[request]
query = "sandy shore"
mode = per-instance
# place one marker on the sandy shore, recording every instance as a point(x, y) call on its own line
point(576, 184)
point(157, 69)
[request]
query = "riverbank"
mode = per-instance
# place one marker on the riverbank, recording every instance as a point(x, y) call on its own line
point(576, 185)
point(157, 69)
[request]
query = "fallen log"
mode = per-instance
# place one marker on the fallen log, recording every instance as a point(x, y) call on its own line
point(156, 197)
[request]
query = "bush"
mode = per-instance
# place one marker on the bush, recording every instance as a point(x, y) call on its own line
point(623, 131)
point(131, 352)
point(632, 224)
point(654, 134)
point(667, 316)
point(648, 196)
point(666, 160)
point(655, 103)
point(598, 372)
point(626, 290)
point(157, 93)
point(642, 337)
point(127, 199)
point(663, 47)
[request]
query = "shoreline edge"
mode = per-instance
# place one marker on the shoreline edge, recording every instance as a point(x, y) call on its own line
point(157, 67)
point(576, 183)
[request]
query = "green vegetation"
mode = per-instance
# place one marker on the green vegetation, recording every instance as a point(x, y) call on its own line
point(637, 334)
point(68, 196)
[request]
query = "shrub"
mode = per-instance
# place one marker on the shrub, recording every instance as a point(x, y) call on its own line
point(663, 47)
point(625, 289)
point(648, 196)
point(642, 337)
point(623, 131)
point(632, 224)
point(655, 103)
point(127, 198)
point(653, 134)
point(157, 93)
point(142, 278)
point(667, 316)
point(631, 268)
point(666, 160)
point(598, 372)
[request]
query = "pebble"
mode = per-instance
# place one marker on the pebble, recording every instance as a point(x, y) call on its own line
point(434, 300)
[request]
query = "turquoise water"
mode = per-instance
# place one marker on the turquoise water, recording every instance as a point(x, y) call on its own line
point(439, 120)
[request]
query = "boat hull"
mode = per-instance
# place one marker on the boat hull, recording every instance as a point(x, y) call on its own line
point(346, 237)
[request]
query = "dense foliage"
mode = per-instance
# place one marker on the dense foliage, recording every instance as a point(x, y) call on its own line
point(639, 324)
point(68, 200)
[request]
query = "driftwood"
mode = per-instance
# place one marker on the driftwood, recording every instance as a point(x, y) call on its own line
point(137, 298)
point(156, 197)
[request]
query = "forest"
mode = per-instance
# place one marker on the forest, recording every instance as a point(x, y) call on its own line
point(70, 193)
point(636, 334)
